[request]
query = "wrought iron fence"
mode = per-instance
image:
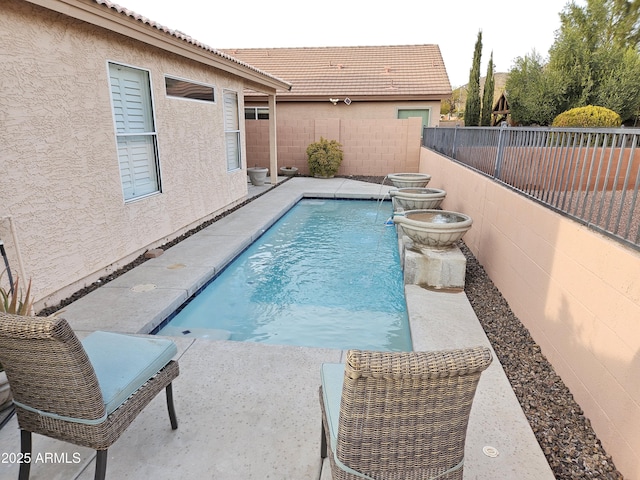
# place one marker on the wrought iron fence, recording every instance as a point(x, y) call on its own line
point(590, 175)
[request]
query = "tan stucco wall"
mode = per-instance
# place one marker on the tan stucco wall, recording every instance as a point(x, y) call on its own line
point(375, 142)
point(371, 146)
point(577, 292)
point(356, 110)
point(59, 178)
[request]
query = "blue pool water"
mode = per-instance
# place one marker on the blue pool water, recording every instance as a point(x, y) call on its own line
point(327, 274)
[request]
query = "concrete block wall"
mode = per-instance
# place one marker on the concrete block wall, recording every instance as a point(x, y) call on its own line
point(371, 146)
point(578, 293)
point(257, 143)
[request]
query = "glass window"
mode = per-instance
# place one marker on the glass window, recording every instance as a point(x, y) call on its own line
point(422, 113)
point(135, 131)
point(425, 114)
point(191, 90)
point(232, 130)
point(256, 113)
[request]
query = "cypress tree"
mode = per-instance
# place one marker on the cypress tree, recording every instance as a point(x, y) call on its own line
point(472, 106)
point(487, 95)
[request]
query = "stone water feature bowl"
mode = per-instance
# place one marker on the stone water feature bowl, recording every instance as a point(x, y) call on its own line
point(409, 180)
point(439, 229)
point(417, 198)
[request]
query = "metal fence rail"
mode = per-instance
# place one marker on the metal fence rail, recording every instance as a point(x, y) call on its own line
point(590, 175)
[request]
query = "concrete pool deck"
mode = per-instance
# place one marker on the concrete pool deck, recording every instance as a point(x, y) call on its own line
point(248, 410)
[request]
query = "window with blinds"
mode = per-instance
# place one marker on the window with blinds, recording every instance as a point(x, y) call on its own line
point(135, 131)
point(231, 129)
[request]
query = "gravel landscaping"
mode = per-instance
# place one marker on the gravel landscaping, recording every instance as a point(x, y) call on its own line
point(564, 433)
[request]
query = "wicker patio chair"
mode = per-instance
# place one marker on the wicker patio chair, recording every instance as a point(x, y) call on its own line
point(399, 415)
point(86, 393)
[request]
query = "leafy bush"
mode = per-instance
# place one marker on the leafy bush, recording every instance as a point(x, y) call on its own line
point(534, 91)
point(589, 116)
point(324, 157)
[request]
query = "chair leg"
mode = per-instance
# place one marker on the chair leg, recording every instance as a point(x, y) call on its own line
point(25, 447)
point(101, 464)
point(323, 443)
point(171, 408)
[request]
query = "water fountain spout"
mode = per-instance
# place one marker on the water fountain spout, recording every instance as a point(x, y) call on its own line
point(409, 180)
point(438, 229)
point(417, 198)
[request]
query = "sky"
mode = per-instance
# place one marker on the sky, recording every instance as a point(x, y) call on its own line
point(510, 29)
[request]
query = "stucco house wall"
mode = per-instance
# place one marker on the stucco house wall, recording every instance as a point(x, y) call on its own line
point(355, 110)
point(576, 291)
point(63, 217)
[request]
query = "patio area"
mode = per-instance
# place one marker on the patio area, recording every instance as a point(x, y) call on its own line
point(248, 410)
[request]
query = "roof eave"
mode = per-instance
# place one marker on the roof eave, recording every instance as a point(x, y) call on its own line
point(354, 98)
point(106, 17)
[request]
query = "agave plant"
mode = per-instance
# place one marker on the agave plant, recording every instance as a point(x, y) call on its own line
point(14, 301)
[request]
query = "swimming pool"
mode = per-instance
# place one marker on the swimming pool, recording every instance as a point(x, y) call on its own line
point(327, 274)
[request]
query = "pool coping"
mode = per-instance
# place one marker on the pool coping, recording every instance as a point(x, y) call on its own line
point(209, 368)
point(143, 297)
point(191, 328)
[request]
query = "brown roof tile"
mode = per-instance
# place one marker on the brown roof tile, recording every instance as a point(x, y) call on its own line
point(182, 36)
point(415, 71)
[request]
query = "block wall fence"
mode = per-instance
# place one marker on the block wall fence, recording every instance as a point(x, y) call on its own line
point(371, 146)
point(577, 291)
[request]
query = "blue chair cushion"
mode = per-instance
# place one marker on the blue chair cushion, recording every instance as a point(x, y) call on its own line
point(123, 363)
point(332, 376)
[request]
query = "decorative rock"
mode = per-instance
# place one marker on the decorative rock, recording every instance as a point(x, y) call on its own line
point(565, 435)
point(153, 253)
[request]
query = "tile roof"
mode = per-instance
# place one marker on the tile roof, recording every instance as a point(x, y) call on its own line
point(183, 36)
point(409, 71)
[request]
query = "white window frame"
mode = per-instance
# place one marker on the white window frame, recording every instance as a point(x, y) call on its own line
point(232, 130)
point(256, 112)
point(213, 101)
point(136, 146)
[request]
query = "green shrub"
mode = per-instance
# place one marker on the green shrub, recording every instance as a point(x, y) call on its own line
point(589, 116)
point(324, 157)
